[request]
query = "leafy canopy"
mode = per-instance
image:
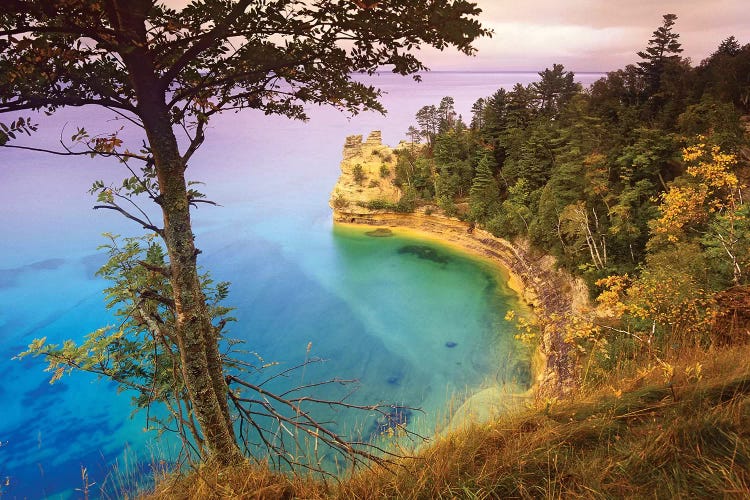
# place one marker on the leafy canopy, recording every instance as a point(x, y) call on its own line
point(217, 55)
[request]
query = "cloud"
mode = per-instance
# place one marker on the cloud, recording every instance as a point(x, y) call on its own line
point(589, 35)
point(530, 46)
point(596, 35)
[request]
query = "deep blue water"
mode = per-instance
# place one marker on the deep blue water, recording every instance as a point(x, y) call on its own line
point(414, 331)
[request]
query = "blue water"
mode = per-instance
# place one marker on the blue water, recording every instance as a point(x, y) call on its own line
point(375, 312)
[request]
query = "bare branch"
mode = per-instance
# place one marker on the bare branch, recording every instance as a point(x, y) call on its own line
point(354, 451)
point(195, 142)
point(132, 217)
point(75, 153)
point(137, 122)
point(127, 198)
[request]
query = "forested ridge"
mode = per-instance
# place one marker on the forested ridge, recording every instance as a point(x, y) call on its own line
point(635, 184)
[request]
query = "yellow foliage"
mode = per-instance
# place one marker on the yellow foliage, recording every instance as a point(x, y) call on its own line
point(666, 303)
point(667, 371)
point(526, 329)
point(611, 298)
point(710, 187)
point(694, 373)
point(679, 207)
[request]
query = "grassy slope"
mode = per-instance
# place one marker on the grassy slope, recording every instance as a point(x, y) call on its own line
point(629, 438)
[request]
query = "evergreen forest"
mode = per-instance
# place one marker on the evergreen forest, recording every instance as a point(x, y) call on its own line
point(636, 184)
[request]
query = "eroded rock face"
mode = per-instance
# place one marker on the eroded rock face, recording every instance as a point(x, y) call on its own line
point(367, 173)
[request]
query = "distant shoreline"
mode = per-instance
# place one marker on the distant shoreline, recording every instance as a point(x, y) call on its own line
point(503, 71)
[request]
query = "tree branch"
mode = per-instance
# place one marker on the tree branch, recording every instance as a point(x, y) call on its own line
point(153, 295)
point(132, 217)
point(38, 103)
point(75, 153)
point(203, 43)
point(164, 271)
point(195, 142)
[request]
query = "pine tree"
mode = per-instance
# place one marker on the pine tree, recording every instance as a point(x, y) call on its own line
point(484, 193)
point(446, 114)
point(555, 88)
point(728, 47)
point(662, 48)
point(428, 121)
point(477, 113)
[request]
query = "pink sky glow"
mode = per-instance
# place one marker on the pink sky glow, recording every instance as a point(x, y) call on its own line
point(588, 35)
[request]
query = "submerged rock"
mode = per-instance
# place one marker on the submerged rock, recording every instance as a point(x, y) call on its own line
point(396, 417)
point(381, 232)
point(450, 344)
point(425, 253)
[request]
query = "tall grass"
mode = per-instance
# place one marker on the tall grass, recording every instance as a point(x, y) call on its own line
point(632, 436)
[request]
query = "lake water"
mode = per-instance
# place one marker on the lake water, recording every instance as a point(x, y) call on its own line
point(374, 308)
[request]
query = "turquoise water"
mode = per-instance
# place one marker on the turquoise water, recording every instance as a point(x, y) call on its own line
point(374, 311)
point(413, 330)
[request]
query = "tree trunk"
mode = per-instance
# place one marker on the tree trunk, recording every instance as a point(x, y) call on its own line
point(201, 363)
point(199, 350)
point(196, 337)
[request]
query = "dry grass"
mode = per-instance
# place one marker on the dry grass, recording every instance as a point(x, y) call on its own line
point(631, 436)
point(240, 482)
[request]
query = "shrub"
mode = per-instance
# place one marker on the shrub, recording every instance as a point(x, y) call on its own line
point(358, 173)
point(340, 202)
point(378, 205)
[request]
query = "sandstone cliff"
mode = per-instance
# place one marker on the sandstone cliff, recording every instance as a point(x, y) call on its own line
point(367, 172)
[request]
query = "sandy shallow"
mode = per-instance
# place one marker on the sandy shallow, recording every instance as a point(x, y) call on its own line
point(453, 233)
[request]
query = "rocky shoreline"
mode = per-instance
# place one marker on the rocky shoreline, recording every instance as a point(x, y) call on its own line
point(551, 293)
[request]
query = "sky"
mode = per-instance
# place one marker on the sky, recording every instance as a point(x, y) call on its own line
point(593, 35)
point(589, 35)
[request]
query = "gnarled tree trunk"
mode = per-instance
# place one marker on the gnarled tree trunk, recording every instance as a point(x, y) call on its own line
point(196, 337)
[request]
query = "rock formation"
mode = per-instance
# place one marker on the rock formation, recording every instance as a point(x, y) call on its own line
point(366, 180)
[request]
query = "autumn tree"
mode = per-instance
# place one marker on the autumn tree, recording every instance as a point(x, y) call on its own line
point(706, 205)
point(172, 70)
